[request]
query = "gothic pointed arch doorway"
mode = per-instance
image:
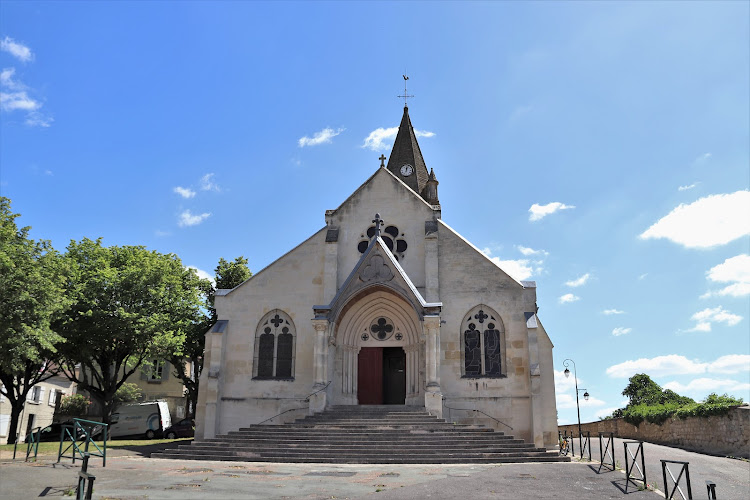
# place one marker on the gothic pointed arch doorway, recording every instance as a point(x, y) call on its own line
point(378, 337)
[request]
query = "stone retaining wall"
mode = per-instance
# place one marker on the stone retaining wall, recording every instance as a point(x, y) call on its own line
point(727, 435)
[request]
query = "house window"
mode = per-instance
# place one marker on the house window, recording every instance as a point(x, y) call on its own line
point(274, 347)
point(156, 372)
point(35, 394)
point(53, 397)
point(483, 343)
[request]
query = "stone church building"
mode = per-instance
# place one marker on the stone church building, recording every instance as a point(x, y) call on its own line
point(386, 304)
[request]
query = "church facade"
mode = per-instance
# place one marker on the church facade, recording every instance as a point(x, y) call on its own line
point(386, 304)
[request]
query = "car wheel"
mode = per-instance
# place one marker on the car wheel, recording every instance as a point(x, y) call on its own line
point(150, 434)
point(171, 435)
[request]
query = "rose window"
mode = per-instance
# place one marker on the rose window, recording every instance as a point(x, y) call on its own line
point(393, 238)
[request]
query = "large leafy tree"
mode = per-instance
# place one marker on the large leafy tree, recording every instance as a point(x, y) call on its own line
point(128, 305)
point(31, 293)
point(641, 390)
point(229, 274)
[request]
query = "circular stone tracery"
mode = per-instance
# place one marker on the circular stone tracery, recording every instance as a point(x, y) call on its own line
point(381, 328)
point(391, 236)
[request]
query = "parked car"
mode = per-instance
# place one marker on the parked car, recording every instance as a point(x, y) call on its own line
point(183, 428)
point(49, 433)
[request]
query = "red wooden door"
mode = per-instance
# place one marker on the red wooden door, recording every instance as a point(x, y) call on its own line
point(370, 376)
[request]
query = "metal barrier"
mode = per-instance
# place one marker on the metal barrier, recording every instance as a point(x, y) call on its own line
point(631, 463)
point(586, 444)
point(32, 441)
point(711, 489)
point(683, 470)
point(83, 493)
point(83, 431)
point(609, 450)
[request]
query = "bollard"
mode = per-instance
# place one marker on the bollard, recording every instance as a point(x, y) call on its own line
point(82, 492)
point(711, 490)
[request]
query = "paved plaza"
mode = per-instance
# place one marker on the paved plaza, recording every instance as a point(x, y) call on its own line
point(130, 475)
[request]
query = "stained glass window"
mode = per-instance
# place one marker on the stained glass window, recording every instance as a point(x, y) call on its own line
point(483, 337)
point(274, 346)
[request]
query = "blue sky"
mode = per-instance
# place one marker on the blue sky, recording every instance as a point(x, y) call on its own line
point(599, 148)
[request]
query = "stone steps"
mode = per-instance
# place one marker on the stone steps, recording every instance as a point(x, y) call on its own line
point(366, 435)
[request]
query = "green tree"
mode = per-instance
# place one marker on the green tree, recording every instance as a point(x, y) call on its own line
point(128, 305)
point(31, 293)
point(127, 393)
point(228, 275)
point(642, 390)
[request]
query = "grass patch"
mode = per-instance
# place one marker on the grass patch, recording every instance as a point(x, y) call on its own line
point(51, 448)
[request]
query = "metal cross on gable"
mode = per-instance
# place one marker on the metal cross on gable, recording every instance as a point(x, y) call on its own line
point(382, 161)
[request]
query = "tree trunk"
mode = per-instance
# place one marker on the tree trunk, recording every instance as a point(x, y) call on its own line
point(15, 413)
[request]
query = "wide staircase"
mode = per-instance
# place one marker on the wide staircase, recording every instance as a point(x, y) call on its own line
point(365, 435)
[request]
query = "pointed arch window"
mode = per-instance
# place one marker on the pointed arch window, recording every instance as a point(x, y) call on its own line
point(275, 342)
point(483, 343)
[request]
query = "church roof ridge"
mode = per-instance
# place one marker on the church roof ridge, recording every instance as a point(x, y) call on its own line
point(227, 291)
point(362, 186)
point(441, 221)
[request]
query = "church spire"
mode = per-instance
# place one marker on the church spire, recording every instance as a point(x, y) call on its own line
point(406, 160)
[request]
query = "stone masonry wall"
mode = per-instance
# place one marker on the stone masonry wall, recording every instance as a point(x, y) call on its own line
point(727, 435)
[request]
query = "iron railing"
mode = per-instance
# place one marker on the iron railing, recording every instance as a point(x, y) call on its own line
point(83, 431)
point(631, 463)
point(476, 411)
point(306, 400)
point(676, 482)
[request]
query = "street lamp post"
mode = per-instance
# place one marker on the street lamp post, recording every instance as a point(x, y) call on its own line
point(585, 396)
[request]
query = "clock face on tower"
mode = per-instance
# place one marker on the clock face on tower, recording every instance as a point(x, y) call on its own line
point(406, 170)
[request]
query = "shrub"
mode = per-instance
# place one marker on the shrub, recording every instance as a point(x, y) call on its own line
point(76, 404)
point(658, 414)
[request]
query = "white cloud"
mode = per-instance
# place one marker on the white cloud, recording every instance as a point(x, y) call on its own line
point(703, 386)
point(674, 364)
point(606, 412)
point(621, 331)
point(17, 50)
point(642, 276)
point(530, 251)
point(161, 233)
point(322, 137)
point(707, 222)
point(702, 158)
point(538, 212)
point(184, 192)
point(11, 101)
point(568, 297)
point(207, 183)
point(578, 281)
point(709, 315)
point(381, 139)
point(424, 133)
point(610, 312)
point(685, 188)
point(187, 218)
point(14, 96)
point(736, 271)
point(519, 112)
point(731, 363)
point(520, 269)
point(564, 384)
point(203, 275)
point(36, 119)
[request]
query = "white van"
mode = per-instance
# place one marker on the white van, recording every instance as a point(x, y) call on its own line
point(143, 419)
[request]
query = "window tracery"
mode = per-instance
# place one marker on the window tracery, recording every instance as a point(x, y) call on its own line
point(393, 238)
point(274, 347)
point(483, 343)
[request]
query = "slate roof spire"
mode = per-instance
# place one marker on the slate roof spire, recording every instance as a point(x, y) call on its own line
point(406, 152)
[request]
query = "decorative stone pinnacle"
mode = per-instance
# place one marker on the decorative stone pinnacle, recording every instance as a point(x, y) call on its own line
point(378, 222)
